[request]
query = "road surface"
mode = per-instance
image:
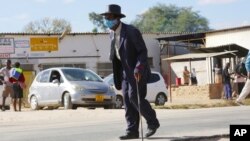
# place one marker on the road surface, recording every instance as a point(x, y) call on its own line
point(107, 125)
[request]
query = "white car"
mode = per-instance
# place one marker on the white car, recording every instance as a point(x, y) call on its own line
point(70, 88)
point(8, 99)
point(156, 90)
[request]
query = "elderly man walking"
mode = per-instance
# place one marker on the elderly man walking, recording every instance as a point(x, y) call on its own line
point(130, 66)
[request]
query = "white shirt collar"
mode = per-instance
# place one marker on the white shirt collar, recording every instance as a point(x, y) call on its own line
point(118, 30)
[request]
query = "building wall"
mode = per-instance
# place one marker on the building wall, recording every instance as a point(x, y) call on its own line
point(86, 48)
point(200, 67)
point(239, 37)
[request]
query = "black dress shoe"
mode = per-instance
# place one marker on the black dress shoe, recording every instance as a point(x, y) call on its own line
point(129, 136)
point(151, 131)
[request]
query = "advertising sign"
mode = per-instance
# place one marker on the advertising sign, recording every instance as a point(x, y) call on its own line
point(44, 44)
point(7, 45)
point(22, 43)
point(4, 56)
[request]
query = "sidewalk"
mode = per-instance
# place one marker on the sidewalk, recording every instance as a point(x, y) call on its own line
point(179, 101)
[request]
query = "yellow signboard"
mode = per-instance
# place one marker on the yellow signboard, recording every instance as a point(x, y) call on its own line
point(44, 44)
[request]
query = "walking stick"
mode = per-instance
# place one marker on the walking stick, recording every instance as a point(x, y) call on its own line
point(139, 107)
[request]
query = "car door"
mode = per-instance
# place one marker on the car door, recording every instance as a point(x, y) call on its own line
point(55, 82)
point(42, 87)
point(152, 87)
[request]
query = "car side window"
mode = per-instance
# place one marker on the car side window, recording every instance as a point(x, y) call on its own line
point(154, 78)
point(38, 78)
point(111, 81)
point(55, 75)
point(45, 76)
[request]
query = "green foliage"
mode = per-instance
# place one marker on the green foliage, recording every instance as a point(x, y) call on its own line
point(47, 25)
point(162, 18)
point(97, 20)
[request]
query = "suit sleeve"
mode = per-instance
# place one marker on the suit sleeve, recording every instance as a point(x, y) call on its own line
point(141, 51)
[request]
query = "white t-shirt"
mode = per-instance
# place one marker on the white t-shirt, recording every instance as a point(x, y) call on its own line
point(6, 75)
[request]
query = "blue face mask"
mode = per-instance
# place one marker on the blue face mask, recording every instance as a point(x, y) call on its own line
point(110, 23)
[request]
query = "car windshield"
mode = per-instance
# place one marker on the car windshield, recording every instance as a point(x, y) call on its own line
point(80, 75)
point(109, 79)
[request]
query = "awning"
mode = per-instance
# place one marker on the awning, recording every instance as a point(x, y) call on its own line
point(200, 55)
point(242, 52)
point(198, 38)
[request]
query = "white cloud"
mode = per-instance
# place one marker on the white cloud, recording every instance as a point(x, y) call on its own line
point(207, 2)
point(68, 1)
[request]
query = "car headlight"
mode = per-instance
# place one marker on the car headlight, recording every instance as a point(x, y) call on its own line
point(78, 88)
point(111, 89)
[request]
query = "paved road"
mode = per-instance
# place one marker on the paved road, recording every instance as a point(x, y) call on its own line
point(107, 125)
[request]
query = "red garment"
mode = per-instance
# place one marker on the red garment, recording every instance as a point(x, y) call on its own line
point(20, 79)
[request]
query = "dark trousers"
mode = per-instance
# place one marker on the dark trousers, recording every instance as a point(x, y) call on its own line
point(18, 91)
point(131, 106)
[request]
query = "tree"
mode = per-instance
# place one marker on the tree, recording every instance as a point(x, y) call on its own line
point(98, 21)
point(48, 25)
point(162, 18)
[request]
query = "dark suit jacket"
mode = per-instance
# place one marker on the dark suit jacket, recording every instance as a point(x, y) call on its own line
point(134, 55)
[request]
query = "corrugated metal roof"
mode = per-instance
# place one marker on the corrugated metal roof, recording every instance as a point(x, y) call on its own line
point(198, 55)
point(229, 29)
point(89, 33)
point(52, 34)
point(192, 38)
point(242, 52)
point(199, 36)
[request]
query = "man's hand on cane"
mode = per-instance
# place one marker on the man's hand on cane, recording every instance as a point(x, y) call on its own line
point(137, 76)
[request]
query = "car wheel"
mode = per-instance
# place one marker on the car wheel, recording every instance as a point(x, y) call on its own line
point(118, 102)
point(34, 103)
point(67, 101)
point(74, 107)
point(109, 106)
point(160, 99)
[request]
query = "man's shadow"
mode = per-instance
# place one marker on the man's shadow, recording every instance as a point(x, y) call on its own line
point(191, 138)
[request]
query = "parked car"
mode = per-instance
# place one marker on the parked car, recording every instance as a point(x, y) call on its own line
point(70, 88)
point(156, 90)
point(8, 99)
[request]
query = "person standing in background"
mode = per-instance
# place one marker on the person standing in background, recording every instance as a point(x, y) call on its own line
point(5, 71)
point(193, 77)
point(186, 76)
point(227, 82)
point(18, 80)
point(239, 78)
point(246, 89)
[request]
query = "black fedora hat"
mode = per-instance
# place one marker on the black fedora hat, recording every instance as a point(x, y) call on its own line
point(113, 9)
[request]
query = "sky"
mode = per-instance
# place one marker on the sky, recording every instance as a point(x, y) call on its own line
point(15, 14)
